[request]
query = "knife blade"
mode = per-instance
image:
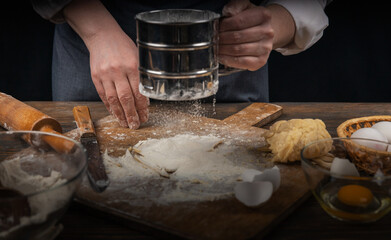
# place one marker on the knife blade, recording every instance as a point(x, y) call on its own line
point(95, 168)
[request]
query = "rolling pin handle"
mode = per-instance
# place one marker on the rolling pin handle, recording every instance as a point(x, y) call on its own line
point(18, 116)
point(59, 144)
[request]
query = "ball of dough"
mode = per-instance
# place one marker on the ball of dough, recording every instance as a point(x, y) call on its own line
point(287, 138)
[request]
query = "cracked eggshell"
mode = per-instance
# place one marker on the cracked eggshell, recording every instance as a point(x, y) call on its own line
point(253, 194)
point(272, 175)
point(370, 133)
point(249, 174)
point(342, 166)
point(379, 177)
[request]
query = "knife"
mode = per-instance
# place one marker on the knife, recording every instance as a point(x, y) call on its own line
point(95, 168)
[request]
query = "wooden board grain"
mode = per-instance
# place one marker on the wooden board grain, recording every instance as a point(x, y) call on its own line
point(224, 218)
point(257, 115)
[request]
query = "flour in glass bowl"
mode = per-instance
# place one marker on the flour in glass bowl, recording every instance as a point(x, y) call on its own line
point(184, 167)
point(14, 176)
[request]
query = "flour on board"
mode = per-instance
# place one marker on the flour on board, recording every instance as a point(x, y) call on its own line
point(199, 168)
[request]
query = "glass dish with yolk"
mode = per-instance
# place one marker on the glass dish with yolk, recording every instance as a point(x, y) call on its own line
point(343, 190)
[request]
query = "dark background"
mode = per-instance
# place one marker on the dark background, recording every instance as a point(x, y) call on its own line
point(350, 63)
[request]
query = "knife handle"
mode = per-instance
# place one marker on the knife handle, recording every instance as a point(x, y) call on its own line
point(83, 120)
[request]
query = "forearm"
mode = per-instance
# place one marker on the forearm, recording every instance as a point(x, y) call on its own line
point(113, 60)
point(90, 20)
point(283, 26)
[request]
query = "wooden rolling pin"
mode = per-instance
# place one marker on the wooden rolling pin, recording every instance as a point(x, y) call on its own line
point(16, 115)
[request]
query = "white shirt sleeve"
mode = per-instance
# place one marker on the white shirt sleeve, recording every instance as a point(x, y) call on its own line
point(310, 21)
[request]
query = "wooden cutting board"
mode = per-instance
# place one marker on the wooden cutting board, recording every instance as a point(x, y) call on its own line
point(221, 218)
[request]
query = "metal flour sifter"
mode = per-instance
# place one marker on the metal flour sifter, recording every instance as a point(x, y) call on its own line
point(178, 54)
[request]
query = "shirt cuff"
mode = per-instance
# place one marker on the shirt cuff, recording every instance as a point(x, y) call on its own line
point(310, 21)
point(50, 9)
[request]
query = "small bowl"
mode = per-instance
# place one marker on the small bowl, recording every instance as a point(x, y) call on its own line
point(37, 183)
point(344, 190)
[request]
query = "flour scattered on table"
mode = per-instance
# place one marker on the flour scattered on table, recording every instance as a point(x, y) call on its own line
point(185, 167)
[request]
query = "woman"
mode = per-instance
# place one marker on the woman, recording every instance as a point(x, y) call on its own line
point(94, 54)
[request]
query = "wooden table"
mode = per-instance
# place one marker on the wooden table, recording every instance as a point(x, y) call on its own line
point(307, 221)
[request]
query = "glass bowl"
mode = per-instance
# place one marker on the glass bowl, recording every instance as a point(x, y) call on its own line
point(346, 188)
point(37, 182)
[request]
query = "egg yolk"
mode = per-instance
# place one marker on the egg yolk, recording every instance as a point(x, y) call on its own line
point(355, 195)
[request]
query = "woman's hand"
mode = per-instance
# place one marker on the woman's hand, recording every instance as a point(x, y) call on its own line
point(114, 71)
point(248, 33)
point(113, 61)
